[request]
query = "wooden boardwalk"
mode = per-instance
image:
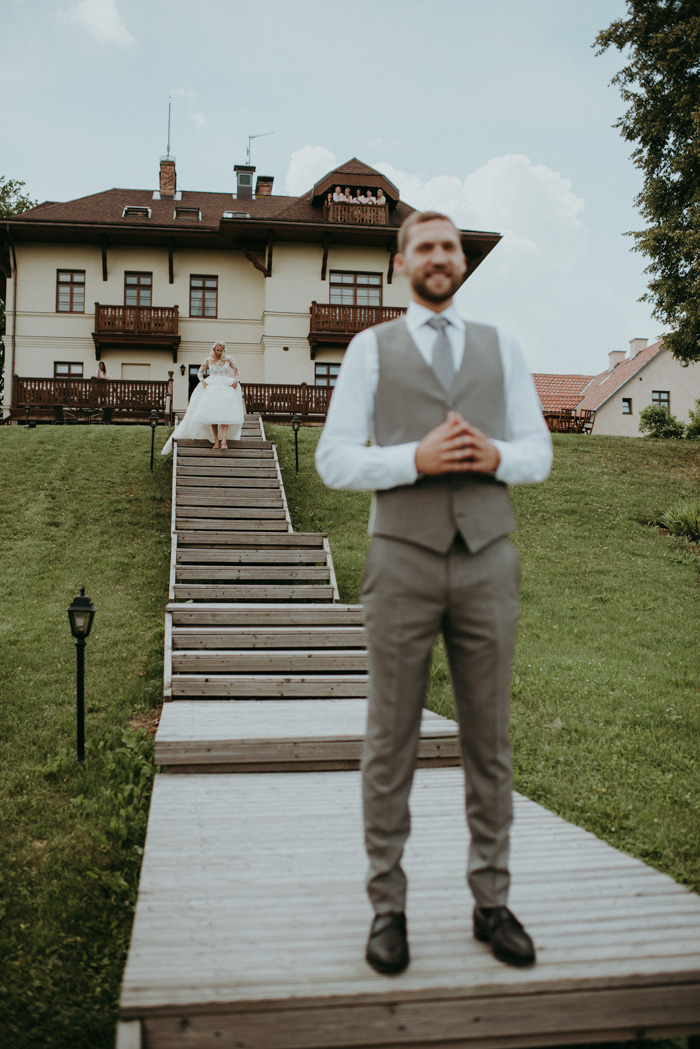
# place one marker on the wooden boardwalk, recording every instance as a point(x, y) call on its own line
point(251, 919)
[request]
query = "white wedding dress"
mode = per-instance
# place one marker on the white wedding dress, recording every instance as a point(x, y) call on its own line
point(215, 401)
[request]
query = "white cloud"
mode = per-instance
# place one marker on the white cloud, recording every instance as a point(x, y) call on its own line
point(306, 167)
point(101, 19)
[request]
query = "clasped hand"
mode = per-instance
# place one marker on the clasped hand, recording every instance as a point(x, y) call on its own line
point(456, 446)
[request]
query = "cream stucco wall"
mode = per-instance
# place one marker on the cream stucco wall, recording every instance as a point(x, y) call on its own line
point(662, 373)
point(264, 321)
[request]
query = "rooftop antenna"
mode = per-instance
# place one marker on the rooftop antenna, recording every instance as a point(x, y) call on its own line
point(250, 139)
point(169, 108)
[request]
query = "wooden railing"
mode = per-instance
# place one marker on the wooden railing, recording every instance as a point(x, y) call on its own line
point(128, 395)
point(570, 420)
point(350, 319)
point(358, 214)
point(136, 320)
point(285, 400)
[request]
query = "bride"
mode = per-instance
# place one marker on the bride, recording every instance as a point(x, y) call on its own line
point(215, 405)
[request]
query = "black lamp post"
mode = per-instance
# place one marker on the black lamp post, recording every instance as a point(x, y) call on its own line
point(153, 420)
point(27, 409)
point(81, 613)
point(296, 426)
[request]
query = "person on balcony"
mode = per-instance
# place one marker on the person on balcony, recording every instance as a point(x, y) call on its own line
point(338, 196)
point(370, 198)
point(381, 199)
point(360, 197)
point(101, 372)
point(216, 404)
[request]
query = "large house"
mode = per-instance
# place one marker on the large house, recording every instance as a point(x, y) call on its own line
point(633, 380)
point(147, 280)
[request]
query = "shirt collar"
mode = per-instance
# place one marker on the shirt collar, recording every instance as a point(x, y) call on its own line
point(417, 316)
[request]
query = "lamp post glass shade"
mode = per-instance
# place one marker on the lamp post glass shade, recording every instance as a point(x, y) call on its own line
point(153, 418)
point(81, 613)
point(296, 424)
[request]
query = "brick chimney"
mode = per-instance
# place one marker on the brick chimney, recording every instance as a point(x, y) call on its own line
point(168, 180)
point(615, 357)
point(263, 186)
point(636, 346)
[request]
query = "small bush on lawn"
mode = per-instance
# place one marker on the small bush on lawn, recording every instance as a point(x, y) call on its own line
point(692, 430)
point(656, 421)
point(683, 519)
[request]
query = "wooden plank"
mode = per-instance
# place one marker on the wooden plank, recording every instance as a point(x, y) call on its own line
point(209, 555)
point(245, 468)
point(228, 497)
point(226, 481)
point(290, 539)
point(286, 661)
point(232, 525)
point(168, 656)
point(233, 847)
point(245, 444)
point(250, 572)
point(248, 592)
point(242, 615)
point(274, 686)
point(256, 637)
point(223, 513)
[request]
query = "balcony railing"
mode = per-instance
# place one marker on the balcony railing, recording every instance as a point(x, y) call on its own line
point(136, 320)
point(280, 401)
point(131, 398)
point(350, 319)
point(358, 214)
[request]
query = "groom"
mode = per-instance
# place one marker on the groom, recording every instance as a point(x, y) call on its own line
point(453, 416)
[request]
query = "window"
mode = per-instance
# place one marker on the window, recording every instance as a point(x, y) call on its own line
point(662, 398)
point(137, 289)
point(326, 374)
point(135, 212)
point(70, 291)
point(626, 405)
point(203, 296)
point(355, 289)
point(67, 370)
point(193, 214)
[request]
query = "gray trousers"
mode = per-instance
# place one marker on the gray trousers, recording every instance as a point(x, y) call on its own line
point(410, 595)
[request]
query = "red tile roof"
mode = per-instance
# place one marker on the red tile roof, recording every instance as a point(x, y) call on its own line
point(560, 391)
point(603, 386)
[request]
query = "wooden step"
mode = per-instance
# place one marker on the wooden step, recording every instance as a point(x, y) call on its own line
point(212, 515)
point(241, 615)
point(269, 661)
point(271, 686)
point(263, 524)
point(259, 637)
point(242, 468)
point(211, 555)
point(215, 481)
point(243, 592)
point(279, 573)
point(234, 497)
point(250, 736)
point(197, 537)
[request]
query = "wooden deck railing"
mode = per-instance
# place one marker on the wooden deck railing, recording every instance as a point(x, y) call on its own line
point(130, 395)
point(570, 420)
point(136, 320)
point(285, 400)
point(350, 319)
point(358, 214)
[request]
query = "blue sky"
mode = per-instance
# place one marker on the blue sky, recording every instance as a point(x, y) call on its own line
point(497, 111)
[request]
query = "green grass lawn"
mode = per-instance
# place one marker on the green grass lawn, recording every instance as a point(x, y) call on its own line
point(606, 690)
point(79, 507)
point(606, 711)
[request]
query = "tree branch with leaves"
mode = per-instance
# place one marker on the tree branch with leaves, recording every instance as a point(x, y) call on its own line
point(661, 85)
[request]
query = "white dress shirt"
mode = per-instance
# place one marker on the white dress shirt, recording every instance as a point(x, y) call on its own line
point(345, 460)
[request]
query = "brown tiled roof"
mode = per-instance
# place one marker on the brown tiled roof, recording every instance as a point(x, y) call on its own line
point(560, 391)
point(603, 386)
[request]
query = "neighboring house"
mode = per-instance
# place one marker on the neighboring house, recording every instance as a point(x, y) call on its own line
point(647, 375)
point(147, 281)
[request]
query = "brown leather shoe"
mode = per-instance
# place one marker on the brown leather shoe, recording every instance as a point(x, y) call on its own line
point(500, 928)
point(387, 946)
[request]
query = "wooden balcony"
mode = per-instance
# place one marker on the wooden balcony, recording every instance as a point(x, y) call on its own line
point(131, 400)
point(357, 214)
point(336, 325)
point(142, 327)
point(280, 401)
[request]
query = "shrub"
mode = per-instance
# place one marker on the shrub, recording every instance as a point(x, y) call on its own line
point(683, 519)
point(656, 421)
point(693, 428)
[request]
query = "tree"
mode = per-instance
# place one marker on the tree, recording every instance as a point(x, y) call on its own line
point(656, 421)
point(661, 83)
point(692, 429)
point(12, 200)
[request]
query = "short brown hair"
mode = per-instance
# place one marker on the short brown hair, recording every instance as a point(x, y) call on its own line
point(420, 216)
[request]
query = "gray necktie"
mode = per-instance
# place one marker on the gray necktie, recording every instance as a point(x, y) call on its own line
point(443, 364)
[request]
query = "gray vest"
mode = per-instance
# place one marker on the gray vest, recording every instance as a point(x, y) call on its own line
point(409, 402)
